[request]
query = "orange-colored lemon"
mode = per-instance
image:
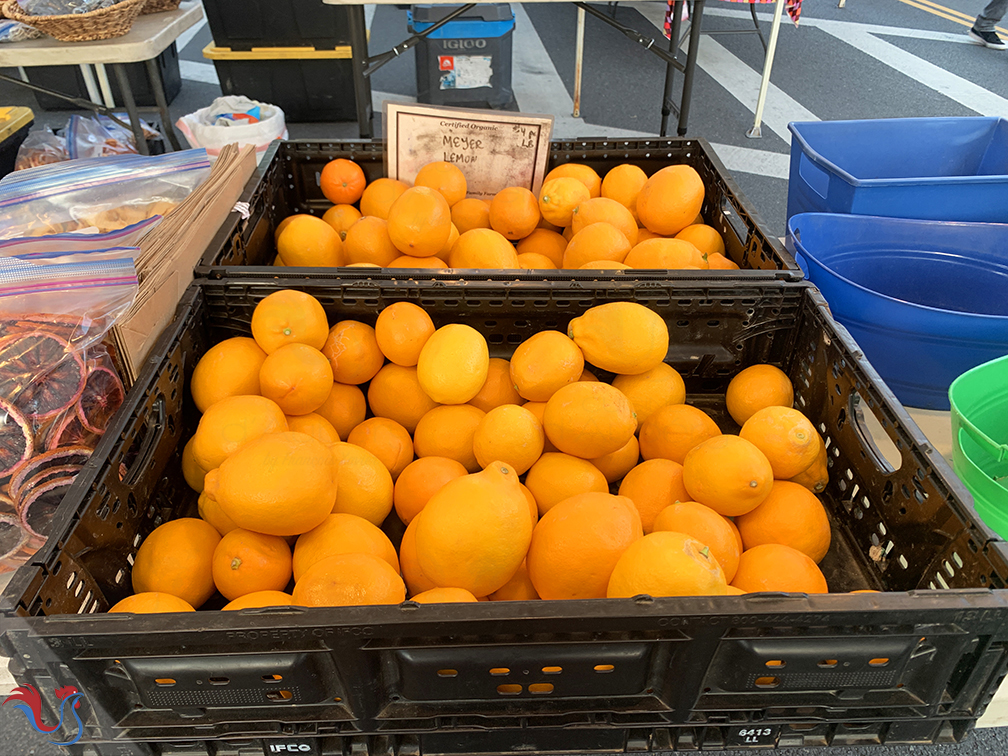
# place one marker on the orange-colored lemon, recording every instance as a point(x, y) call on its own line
point(717, 261)
point(230, 368)
point(543, 363)
point(539, 410)
point(341, 533)
point(416, 580)
point(728, 474)
point(421, 479)
point(349, 580)
point(151, 602)
point(510, 434)
point(483, 248)
point(310, 242)
point(514, 212)
point(470, 213)
point(258, 600)
point(670, 199)
point(558, 198)
point(245, 562)
point(518, 588)
point(658, 387)
point(623, 183)
point(364, 484)
point(453, 364)
point(576, 545)
point(475, 532)
point(618, 463)
point(368, 242)
point(604, 265)
point(756, 387)
point(284, 223)
point(314, 425)
point(815, 476)
point(549, 244)
point(395, 393)
point(379, 196)
point(778, 568)
point(598, 242)
point(448, 431)
point(589, 419)
point(353, 352)
point(534, 261)
point(419, 222)
point(652, 486)
point(660, 254)
point(671, 431)
point(345, 408)
point(791, 515)
point(406, 261)
point(387, 440)
point(191, 471)
point(289, 317)
point(644, 234)
point(555, 477)
point(209, 509)
point(279, 484)
point(703, 237)
point(341, 217)
point(498, 389)
point(401, 331)
point(622, 337)
point(297, 377)
point(667, 564)
point(342, 181)
point(604, 210)
point(785, 436)
point(177, 558)
point(444, 178)
point(444, 596)
point(708, 527)
point(583, 173)
point(231, 423)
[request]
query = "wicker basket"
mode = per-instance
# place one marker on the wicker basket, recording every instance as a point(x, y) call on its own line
point(105, 23)
point(159, 6)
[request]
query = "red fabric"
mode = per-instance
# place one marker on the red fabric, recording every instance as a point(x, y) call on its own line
point(793, 9)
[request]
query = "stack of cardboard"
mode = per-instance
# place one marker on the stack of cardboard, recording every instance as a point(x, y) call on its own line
point(169, 252)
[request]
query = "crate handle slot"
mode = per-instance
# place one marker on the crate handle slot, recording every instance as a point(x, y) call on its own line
point(875, 439)
point(735, 221)
point(156, 428)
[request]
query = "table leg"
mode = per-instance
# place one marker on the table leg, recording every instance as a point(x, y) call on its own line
point(106, 88)
point(578, 61)
point(362, 87)
point(756, 131)
point(162, 102)
point(131, 108)
point(670, 70)
point(694, 47)
point(90, 84)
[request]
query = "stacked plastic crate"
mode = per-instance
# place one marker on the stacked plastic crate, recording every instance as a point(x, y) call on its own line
point(295, 54)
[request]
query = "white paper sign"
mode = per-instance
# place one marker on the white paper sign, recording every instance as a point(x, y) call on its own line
point(494, 149)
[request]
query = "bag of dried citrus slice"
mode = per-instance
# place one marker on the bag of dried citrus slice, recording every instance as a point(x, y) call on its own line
point(58, 386)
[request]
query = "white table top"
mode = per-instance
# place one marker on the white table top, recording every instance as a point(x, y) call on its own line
point(150, 35)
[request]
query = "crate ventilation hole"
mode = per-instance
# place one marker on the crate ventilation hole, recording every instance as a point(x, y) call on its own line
point(514, 689)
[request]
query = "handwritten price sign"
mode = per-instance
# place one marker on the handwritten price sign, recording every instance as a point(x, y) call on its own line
point(494, 149)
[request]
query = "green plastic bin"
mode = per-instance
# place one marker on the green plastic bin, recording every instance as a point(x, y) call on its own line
point(979, 399)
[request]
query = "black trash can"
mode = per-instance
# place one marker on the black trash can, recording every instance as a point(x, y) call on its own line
point(467, 62)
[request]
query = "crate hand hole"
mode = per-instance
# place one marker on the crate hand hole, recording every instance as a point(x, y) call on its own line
point(279, 695)
point(767, 682)
point(447, 673)
point(776, 663)
point(272, 678)
point(604, 668)
point(165, 682)
point(509, 689)
point(827, 663)
point(499, 671)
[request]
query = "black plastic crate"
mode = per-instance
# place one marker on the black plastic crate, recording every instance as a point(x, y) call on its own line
point(70, 81)
point(287, 182)
point(308, 85)
point(918, 663)
point(246, 24)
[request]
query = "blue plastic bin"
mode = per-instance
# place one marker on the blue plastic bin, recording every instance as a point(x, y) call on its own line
point(932, 168)
point(925, 300)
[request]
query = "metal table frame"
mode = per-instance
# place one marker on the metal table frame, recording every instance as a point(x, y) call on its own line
point(675, 60)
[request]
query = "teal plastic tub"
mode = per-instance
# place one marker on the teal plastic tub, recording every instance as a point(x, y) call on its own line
point(979, 399)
